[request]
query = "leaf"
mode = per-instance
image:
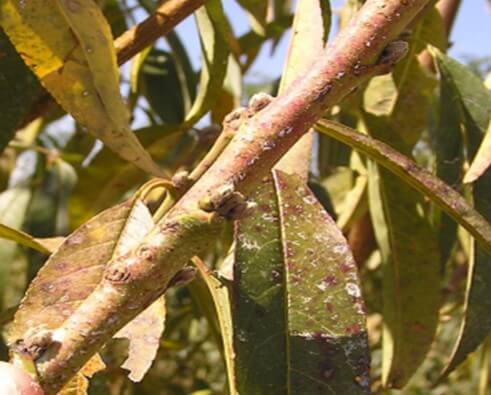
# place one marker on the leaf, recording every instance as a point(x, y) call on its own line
point(184, 68)
point(113, 177)
point(13, 208)
point(75, 269)
point(311, 24)
point(420, 179)
point(258, 298)
point(230, 94)
point(410, 266)
point(79, 384)
point(219, 294)
point(47, 214)
point(397, 107)
point(404, 95)
point(474, 101)
point(18, 87)
point(257, 11)
point(144, 334)
point(211, 21)
point(447, 143)
point(482, 160)
point(162, 87)
point(74, 59)
point(301, 297)
point(261, 338)
point(321, 276)
point(6, 232)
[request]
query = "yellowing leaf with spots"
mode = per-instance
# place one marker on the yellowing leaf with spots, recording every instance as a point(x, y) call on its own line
point(79, 384)
point(68, 45)
point(76, 267)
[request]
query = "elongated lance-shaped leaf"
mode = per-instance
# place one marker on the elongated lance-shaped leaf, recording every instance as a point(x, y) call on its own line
point(210, 19)
point(259, 299)
point(447, 141)
point(231, 92)
point(69, 47)
point(257, 11)
point(482, 160)
point(214, 290)
point(327, 349)
point(475, 102)
point(301, 297)
point(6, 232)
point(13, 208)
point(419, 178)
point(408, 90)
point(18, 86)
point(397, 107)
point(411, 266)
point(161, 86)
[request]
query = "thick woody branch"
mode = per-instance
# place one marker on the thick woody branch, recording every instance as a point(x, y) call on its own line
point(132, 282)
point(163, 21)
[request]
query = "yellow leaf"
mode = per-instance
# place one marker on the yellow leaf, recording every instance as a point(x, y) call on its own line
point(482, 160)
point(79, 384)
point(69, 47)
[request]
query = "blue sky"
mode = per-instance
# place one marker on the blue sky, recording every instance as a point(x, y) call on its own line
point(471, 36)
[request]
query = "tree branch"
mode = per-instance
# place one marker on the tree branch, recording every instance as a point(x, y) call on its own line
point(164, 20)
point(360, 51)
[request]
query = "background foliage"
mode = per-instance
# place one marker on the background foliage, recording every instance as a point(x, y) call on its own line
point(425, 282)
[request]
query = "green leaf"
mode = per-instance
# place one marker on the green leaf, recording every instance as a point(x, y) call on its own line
point(220, 309)
point(474, 101)
point(69, 47)
point(298, 316)
point(230, 94)
point(420, 179)
point(18, 87)
point(404, 96)
point(259, 300)
point(448, 145)
point(187, 76)
point(162, 87)
point(257, 11)
point(13, 208)
point(6, 232)
point(325, 305)
point(211, 21)
point(410, 265)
